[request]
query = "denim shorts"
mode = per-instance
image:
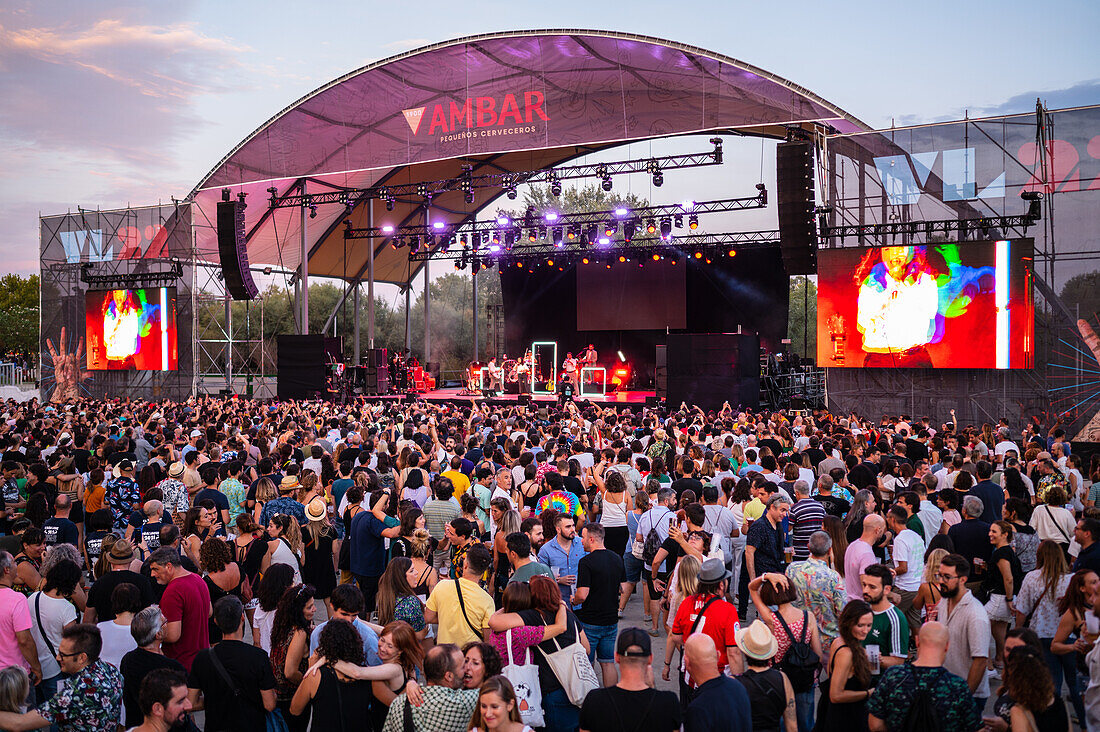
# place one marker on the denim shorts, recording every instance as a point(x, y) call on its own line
point(634, 567)
point(602, 640)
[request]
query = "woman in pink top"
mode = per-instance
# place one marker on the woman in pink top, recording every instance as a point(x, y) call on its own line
point(517, 596)
point(773, 589)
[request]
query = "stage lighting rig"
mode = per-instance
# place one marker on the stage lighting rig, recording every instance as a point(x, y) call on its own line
point(650, 226)
point(763, 193)
point(555, 186)
point(611, 228)
point(654, 169)
point(628, 230)
point(693, 222)
point(666, 228)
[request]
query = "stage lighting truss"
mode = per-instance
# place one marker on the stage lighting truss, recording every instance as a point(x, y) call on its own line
point(132, 280)
point(467, 182)
point(983, 227)
point(596, 229)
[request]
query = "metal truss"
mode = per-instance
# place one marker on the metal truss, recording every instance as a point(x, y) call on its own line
point(230, 348)
point(115, 280)
point(698, 245)
point(554, 226)
point(979, 227)
point(467, 181)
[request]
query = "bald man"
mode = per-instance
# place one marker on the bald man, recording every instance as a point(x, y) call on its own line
point(861, 554)
point(720, 703)
point(950, 696)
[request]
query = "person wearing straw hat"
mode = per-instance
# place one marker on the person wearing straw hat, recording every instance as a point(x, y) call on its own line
point(285, 503)
point(771, 696)
point(721, 703)
point(120, 557)
point(175, 492)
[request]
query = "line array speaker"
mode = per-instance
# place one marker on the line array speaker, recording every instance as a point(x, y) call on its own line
point(232, 251)
point(794, 167)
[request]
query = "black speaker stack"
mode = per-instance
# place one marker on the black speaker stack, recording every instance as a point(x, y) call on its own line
point(794, 167)
point(709, 369)
point(232, 251)
point(376, 372)
point(301, 366)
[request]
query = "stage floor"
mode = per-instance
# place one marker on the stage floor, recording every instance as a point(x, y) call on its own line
point(454, 395)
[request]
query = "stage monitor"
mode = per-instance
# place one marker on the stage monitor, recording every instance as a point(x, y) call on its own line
point(131, 330)
point(629, 297)
point(940, 305)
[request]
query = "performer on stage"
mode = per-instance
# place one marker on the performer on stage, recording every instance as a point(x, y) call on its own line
point(570, 367)
point(589, 356)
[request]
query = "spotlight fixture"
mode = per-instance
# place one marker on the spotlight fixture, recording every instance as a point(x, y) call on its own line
point(611, 228)
point(693, 222)
point(502, 221)
point(621, 212)
point(606, 185)
point(469, 196)
point(628, 231)
point(422, 190)
point(550, 216)
point(555, 186)
point(666, 228)
point(574, 232)
point(542, 232)
point(592, 232)
point(584, 260)
point(622, 259)
point(656, 257)
point(678, 221)
point(532, 235)
point(654, 169)
point(650, 226)
point(389, 204)
point(439, 225)
point(731, 253)
point(387, 228)
point(698, 255)
point(267, 270)
point(313, 211)
point(512, 193)
point(557, 236)
point(549, 262)
point(763, 193)
point(604, 176)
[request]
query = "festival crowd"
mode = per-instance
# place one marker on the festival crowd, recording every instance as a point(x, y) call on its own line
point(162, 565)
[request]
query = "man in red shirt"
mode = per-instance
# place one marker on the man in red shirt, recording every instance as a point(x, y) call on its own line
point(185, 605)
point(706, 612)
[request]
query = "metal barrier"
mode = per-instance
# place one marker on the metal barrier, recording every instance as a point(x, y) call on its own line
point(13, 374)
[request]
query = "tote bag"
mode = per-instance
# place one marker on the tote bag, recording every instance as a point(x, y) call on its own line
point(573, 670)
point(525, 680)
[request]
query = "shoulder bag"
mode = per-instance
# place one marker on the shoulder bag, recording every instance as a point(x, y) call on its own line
point(462, 605)
point(275, 721)
point(572, 669)
point(525, 681)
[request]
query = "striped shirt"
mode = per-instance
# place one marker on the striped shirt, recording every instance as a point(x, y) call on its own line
point(806, 517)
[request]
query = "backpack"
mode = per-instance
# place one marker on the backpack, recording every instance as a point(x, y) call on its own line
point(652, 543)
point(923, 715)
point(800, 662)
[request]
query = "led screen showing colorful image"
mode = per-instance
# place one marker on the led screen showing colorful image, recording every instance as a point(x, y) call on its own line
point(940, 305)
point(131, 329)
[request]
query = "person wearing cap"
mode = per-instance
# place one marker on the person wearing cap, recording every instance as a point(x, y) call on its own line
point(631, 704)
point(707, 611)
point(192, 443)
point(120, 557)
point(122, 494)
point(770, 694)
point(721, 703)
point(175, 492)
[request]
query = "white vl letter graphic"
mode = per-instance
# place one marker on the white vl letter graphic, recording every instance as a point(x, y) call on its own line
point(414, 117)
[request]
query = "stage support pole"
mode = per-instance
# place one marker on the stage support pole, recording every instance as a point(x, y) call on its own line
point(473, 278)
point(427, 292)
point(303, 302)
point(228, 343)
point(355, 304)
point(408, 316)
point(370, 279)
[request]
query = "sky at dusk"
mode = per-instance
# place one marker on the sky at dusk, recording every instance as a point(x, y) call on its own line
point(112, 103)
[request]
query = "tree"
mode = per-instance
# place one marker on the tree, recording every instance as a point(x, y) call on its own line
point(575, 200)
point(1082, 291)
point(802, 318)
point(18, 314)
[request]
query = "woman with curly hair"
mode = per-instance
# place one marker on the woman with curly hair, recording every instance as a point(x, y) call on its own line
point(844, 706)
point(481, 661)
point(412, 518)
point(277, 580)
point(221, 574)
point(1036, 708)
point(290, 649)
point(397, 599)
point(1069, 642)
point(401, 655)
point(339, 701)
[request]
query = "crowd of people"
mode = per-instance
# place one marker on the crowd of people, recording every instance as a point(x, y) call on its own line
point(410, 566)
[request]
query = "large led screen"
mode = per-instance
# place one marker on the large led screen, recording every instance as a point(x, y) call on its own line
point(941, 305)
point(131, 329)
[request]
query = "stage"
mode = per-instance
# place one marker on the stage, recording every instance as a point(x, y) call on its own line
point(456, 395)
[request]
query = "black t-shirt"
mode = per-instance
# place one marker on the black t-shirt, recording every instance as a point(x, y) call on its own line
point(60, 531)
point(816, 455)
point(93, 543)
point(617, 710)
point(137, 518)
point(675, 551)
point(687, 484)
point(249, 669)
point(572, 485)
point(134, 667)
point(601, 571)
point(833, 505)
point(995, 581)
point(771, 444)
point(150, 535)
point(80, 459)
point(275, 478)
point(99, 596)
point(214, 495)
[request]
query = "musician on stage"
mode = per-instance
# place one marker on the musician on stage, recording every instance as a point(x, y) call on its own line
point(495, 374)
point(570, 366)
point(588, 355)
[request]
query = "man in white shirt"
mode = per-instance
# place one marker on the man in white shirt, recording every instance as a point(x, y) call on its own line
point(720, 521)
point(908, 554)
point(930, 515)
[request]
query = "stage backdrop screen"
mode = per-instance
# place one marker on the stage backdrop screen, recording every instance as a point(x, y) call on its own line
point(629, 297)
point(941, 305)
point(131, 329)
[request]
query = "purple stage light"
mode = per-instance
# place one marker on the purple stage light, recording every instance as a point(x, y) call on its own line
point(687, 205)
point(502, 220)
point(494, 248)
point(604, 241)
point(387, 229)
point(551, 216)
point(621, 212)
point(438, 224)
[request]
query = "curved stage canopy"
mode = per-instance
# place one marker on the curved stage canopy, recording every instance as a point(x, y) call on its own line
point(501, 102)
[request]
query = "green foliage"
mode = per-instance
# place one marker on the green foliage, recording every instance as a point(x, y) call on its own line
point(1083, 291)
point(19, 313)
point(802, 318)
point(575, 200)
